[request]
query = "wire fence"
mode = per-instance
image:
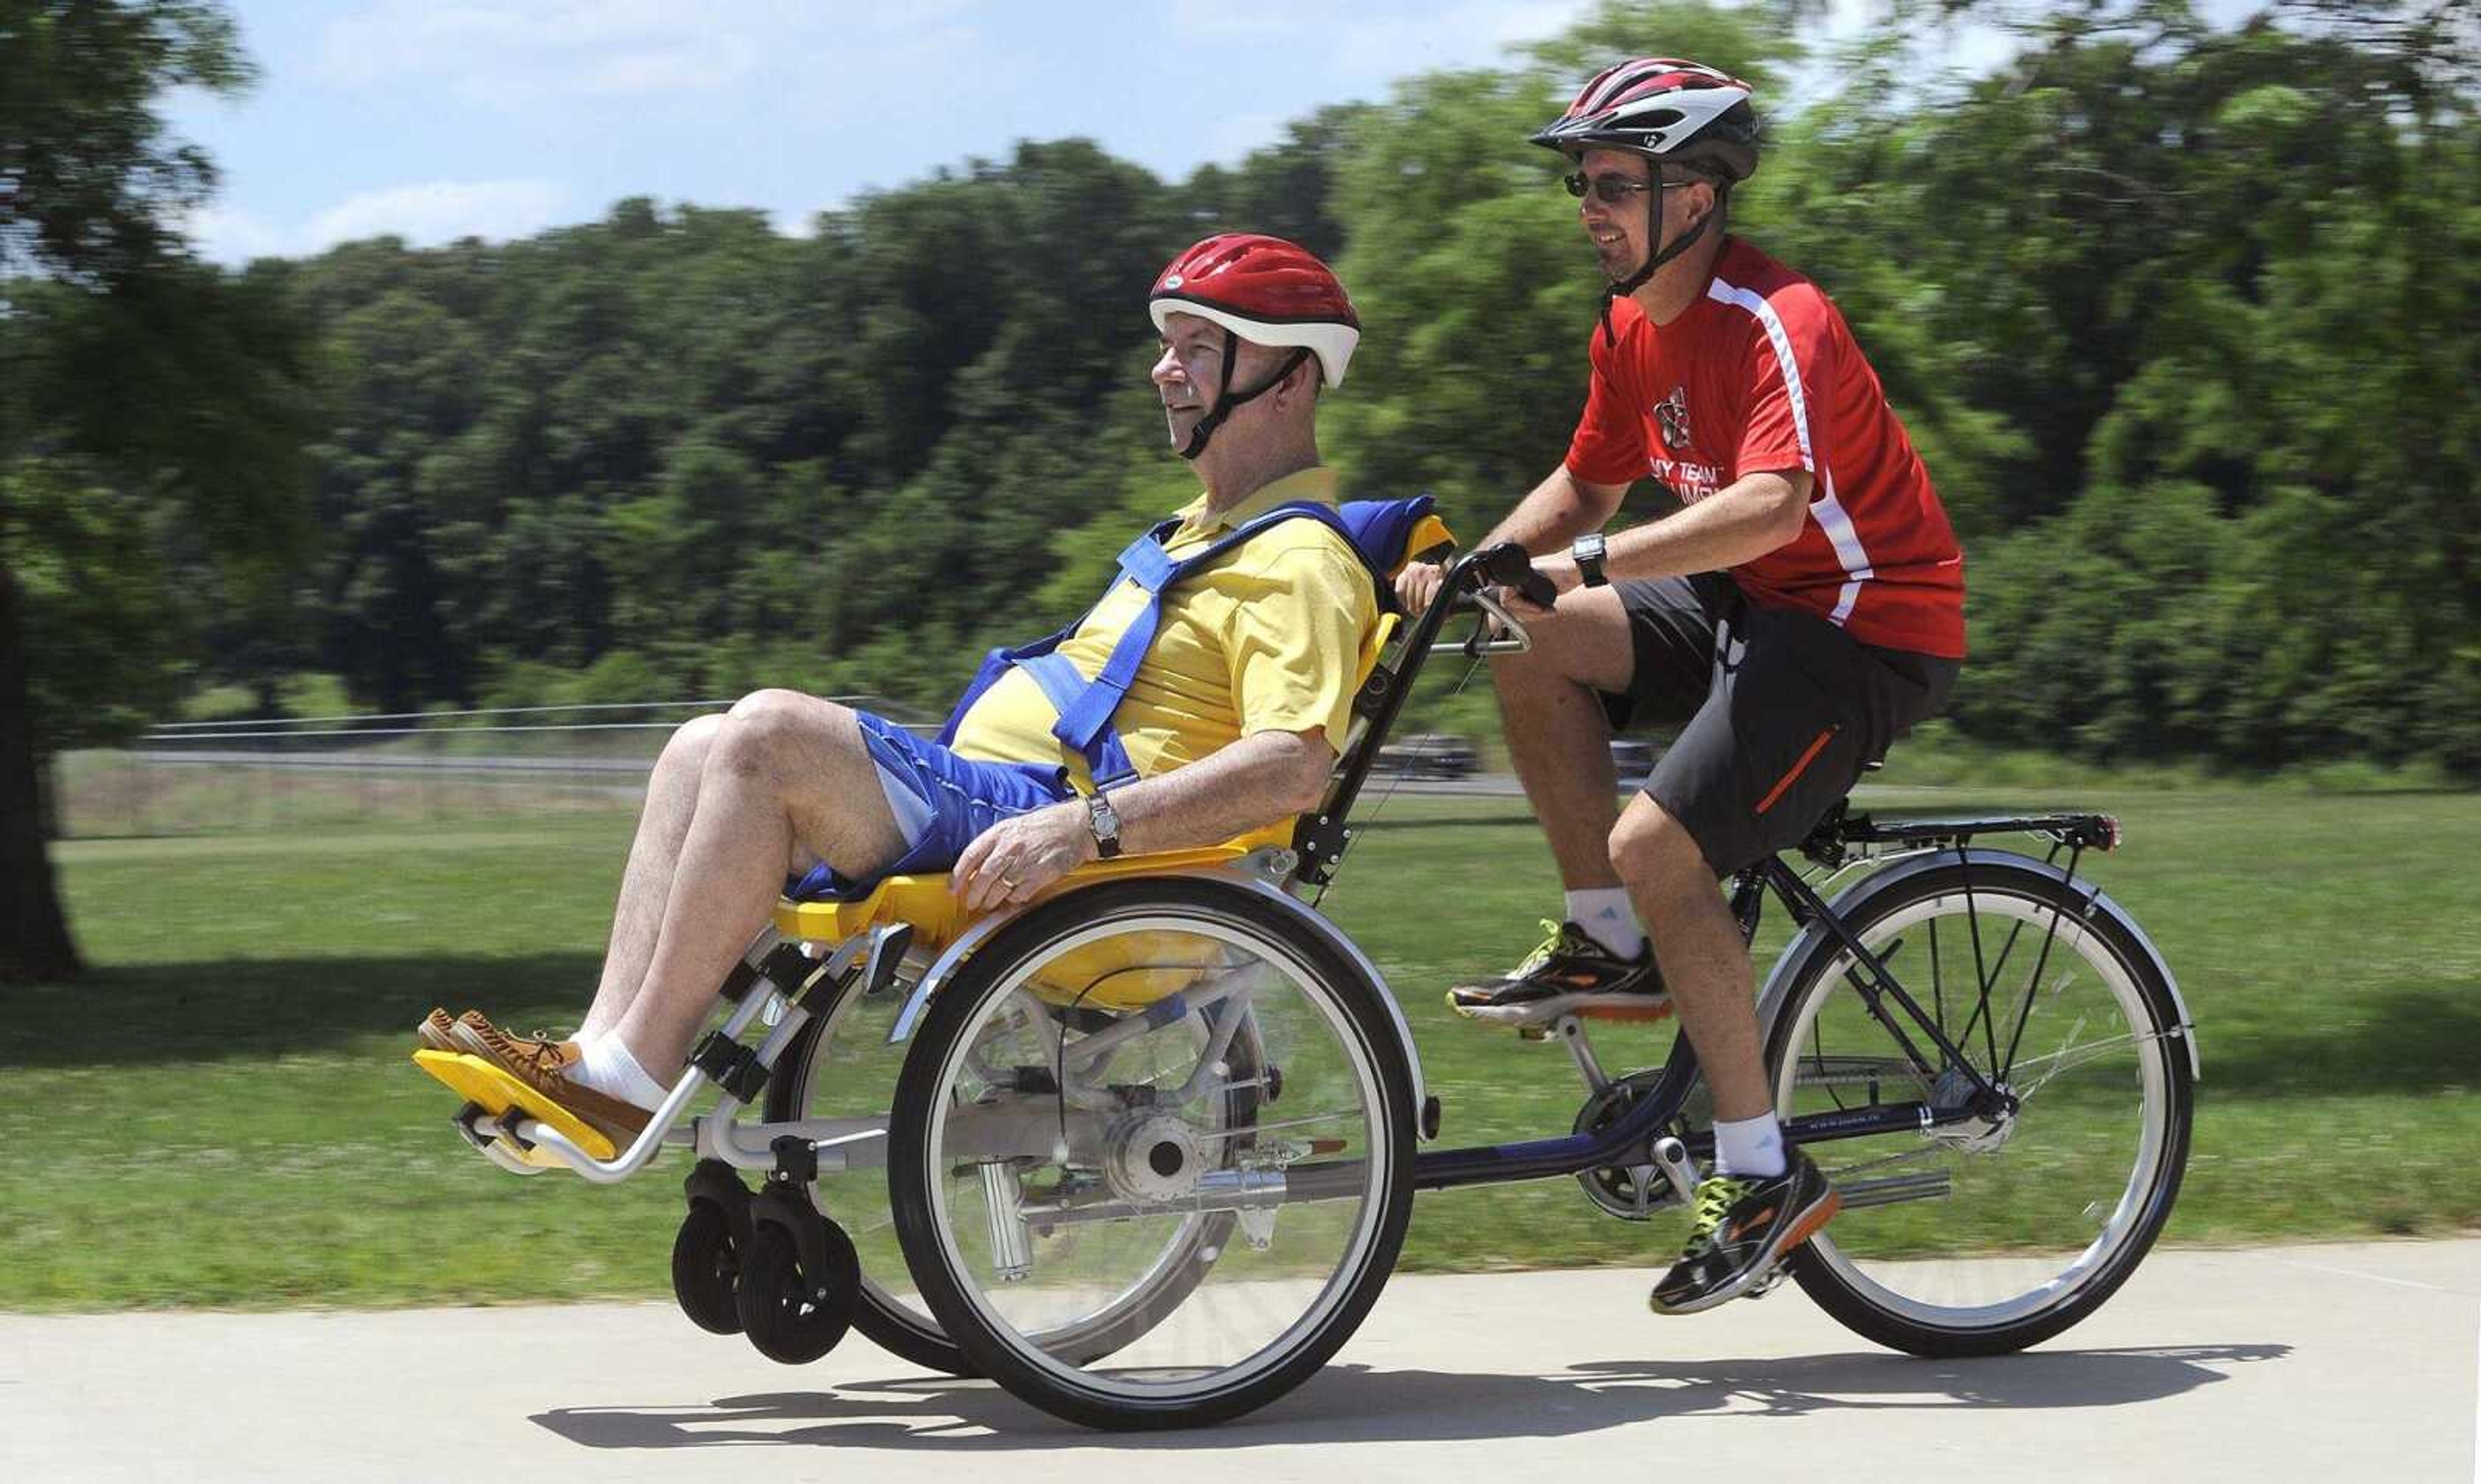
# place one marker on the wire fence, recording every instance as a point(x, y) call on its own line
point(223, 777)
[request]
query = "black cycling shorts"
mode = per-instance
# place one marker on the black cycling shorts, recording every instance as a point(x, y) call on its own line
point(1778, 711)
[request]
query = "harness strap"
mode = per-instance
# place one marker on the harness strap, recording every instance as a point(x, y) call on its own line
point(1085, 707)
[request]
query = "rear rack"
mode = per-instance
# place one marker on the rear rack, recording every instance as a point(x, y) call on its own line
point(1828, 845)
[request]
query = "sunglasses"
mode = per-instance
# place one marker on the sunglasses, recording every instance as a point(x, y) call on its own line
point(1609, 190)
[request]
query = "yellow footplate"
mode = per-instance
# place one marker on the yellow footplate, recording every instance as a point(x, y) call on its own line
point(496, 1090)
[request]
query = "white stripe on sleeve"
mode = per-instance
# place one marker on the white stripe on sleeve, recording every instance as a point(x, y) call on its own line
point(1829, 511)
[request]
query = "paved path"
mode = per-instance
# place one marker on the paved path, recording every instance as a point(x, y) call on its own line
point(2328, 1363)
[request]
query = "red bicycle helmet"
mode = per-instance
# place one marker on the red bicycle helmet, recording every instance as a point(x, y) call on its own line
point(1264, 289)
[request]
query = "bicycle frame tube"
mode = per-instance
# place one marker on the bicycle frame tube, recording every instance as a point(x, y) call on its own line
point(1876, 981)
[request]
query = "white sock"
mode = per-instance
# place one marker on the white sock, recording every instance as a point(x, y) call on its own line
point(1749, 1147)
point(607, 1067)
point(1604, 912)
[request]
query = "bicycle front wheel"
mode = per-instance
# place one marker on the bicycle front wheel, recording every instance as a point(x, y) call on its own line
point(1152, 1153)
point(1986, 1234)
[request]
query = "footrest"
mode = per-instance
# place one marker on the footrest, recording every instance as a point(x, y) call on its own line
point(497, 1090)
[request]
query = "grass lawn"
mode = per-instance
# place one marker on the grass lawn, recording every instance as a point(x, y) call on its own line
point(224, 1115)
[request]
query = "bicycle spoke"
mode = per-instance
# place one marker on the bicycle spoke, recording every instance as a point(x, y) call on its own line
point(2083, 1055)
point(2033, 991)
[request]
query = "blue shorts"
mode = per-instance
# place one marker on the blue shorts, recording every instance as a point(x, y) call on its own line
point(941, 801)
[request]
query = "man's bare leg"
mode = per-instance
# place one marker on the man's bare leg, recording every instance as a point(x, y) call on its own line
point(1557, 734)
point(662, 825)
point(787, 782)
point(1698, 947)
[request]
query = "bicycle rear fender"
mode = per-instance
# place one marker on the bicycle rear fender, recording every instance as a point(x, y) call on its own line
point(1862, 893)
point(956, 953)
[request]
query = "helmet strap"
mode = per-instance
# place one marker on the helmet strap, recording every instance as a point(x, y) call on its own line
point(1226, 399)
point(1654, 260)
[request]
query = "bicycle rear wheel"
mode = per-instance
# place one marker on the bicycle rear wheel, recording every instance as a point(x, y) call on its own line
point(1985, 1236)
point(1120, 1215)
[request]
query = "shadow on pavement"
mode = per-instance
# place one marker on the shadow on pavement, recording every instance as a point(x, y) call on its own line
point(1361, 1404)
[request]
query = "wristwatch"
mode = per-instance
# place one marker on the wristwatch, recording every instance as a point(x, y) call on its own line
point(1105, 822)
point(1587, 554)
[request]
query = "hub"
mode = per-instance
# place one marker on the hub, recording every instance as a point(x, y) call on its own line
point(1152, 1157)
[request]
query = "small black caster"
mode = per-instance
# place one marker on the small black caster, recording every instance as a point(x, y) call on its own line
point(796, 1311)
point(707, 1254)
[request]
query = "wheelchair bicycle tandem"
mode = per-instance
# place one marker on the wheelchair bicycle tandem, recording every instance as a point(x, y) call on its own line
point(1151, 1151)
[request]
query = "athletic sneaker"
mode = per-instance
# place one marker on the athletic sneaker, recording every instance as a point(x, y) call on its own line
point(543, 1064)
point(1743, 1228)
point(1571, 973)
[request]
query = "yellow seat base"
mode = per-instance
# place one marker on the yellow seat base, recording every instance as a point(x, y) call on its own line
point(497, 1090)
point(938, 917)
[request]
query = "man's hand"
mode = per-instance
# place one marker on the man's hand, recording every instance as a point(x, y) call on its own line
point(1416, 586)
point(1559, 571)
point(1015, 858)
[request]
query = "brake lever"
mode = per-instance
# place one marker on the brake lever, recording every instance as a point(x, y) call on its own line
point(1499, 631)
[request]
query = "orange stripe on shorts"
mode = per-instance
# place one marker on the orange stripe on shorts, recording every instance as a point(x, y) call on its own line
point(1797, 769)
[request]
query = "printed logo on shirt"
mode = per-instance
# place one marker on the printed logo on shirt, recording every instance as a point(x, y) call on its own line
point(1687, 481)
point(1672, 414)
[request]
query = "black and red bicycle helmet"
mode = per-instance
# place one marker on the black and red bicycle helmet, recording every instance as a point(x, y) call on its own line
point(1671, 112)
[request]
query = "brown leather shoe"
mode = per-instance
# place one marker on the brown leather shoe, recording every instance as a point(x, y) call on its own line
point(487, 1040)
point(437, 1033)
point(543, 1064)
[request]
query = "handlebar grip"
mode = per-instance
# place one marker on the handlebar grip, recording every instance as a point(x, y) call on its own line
point(1508, 565)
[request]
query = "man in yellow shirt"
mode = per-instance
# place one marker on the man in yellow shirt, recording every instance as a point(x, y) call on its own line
point(1230, 721)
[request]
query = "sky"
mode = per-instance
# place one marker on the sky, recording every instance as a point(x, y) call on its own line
point(439, 118)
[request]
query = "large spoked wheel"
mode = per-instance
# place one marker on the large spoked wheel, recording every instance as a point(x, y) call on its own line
point(1986, 1236)
point(1152, 1159)
point(841, 1066)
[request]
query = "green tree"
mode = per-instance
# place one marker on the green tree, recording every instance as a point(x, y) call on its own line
point(137, 388)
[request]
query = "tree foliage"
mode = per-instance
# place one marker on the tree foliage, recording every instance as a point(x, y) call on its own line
point(2179, 315)
point(152, 415)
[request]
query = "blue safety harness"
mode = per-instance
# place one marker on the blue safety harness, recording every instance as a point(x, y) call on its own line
point(1375, 529)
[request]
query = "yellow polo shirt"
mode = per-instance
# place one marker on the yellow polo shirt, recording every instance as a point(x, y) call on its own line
point(1266, 637)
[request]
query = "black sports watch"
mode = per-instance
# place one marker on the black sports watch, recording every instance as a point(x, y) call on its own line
point(1588, 554)
point(1105, 822)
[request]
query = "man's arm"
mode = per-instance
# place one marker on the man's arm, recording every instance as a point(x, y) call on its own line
point(1736, 524)
point(1256, 781)
point(1559, 509)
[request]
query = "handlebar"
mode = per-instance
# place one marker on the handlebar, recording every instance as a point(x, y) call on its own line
point(1509, 565)
point(1468, 582)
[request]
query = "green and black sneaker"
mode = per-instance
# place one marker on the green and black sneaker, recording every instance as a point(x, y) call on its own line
point(1571, 973)
point(1744, 1226)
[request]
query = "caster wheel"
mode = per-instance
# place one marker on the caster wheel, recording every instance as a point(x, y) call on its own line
point(706, 1269)
point(792, 1316)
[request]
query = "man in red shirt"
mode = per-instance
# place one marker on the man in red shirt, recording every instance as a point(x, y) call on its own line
point(1802, 609)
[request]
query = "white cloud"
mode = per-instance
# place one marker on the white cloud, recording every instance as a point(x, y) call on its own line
point(440, 211)
point(508, 54)
point(1367, 51)
point(225, 234)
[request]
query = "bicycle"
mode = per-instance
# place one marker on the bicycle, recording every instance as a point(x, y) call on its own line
point(1106, 1090)
point(1151, 1153)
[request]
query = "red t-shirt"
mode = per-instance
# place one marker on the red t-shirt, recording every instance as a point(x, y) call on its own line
point(1763, 374)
